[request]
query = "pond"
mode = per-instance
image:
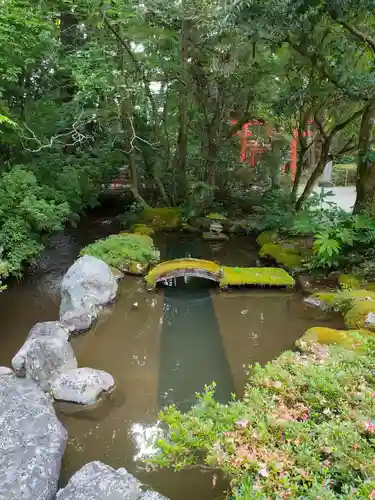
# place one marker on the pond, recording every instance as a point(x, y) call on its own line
point(161, 347)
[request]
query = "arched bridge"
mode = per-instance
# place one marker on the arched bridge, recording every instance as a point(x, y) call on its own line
point(224, 276)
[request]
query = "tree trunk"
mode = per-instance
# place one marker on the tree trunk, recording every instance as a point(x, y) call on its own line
point(318, 171)
point(365, 167)
point(182, 138)
point(69, 42)
point(299, 170)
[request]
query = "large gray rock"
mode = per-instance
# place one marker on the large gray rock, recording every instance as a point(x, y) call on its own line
point(82, 385)
point(47, 329)
point(98, 481)
point(77, 320)
point(47, 358)
point(32, 442)
point(88, 286)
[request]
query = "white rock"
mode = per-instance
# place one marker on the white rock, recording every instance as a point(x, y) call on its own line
point(82, 385)
point(87, 287)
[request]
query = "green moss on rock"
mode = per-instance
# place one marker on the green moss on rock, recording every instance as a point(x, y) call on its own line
point(349, 282)
point(283, 254)
point(324, 300)
point(267, 237)
point(124, 251)
point(143, 229)
point(361, 314)
point(256, 276)
point(329, 336)
point(162, 219)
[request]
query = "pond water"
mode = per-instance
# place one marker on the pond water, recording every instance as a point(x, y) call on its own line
point(161, 350)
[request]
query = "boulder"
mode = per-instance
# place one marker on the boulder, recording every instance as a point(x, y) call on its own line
point(4, 370)
point(88, 286)
point(47, 329)
point(47, 358)
point(82, 385)
point(98, 481)
point(77, 321)
point(32, 442)
point(325, 301)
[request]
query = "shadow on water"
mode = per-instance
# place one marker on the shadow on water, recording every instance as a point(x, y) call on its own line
point(192, 352)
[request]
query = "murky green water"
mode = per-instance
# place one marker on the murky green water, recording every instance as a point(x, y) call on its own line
point(161, 351)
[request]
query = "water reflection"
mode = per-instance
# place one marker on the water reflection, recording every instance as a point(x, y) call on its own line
point(145, 438)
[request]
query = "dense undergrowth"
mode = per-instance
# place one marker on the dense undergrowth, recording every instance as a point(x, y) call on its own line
point(339, 239)
point(304, 429)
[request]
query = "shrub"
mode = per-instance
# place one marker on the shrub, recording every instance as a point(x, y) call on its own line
point(25, 214)
point(122, 250)
point(304, 428)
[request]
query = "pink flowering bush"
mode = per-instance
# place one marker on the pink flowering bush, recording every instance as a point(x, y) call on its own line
point(305, 428)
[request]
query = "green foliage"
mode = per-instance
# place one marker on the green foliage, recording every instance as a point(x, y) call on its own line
point(337, 241)
point(25, 214)
point(304, 428)
point(121, 250)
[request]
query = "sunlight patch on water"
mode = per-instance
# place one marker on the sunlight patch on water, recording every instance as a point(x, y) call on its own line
point(145, 437)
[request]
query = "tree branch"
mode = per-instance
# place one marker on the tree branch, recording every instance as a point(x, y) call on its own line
point(342, 125)
point(77, 137)
point(355, 32)
point(137, 138)
point(136, 63)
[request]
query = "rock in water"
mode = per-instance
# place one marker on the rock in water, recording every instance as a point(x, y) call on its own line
point(87, 287)
point(32, 442)
point(47, 329)
point(47, 358)
point(77, 321)
point(98, 481)
point(82, 385)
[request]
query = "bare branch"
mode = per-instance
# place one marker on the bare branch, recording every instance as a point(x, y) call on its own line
point(137, 138)
point(77, 136)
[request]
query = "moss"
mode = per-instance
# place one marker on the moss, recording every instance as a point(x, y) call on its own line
point(177, 264)
point(358, 314)
point(349, 282)
point(263, 276)
point(329, 299)
point(215, 216)
point(122, 250)
point(267, 237)
point(143, 229)
point(329, 336)
point(283, 254)
point(161, 219)
point(135, 268)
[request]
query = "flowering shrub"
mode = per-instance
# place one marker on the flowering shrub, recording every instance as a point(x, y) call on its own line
point(304, 429)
